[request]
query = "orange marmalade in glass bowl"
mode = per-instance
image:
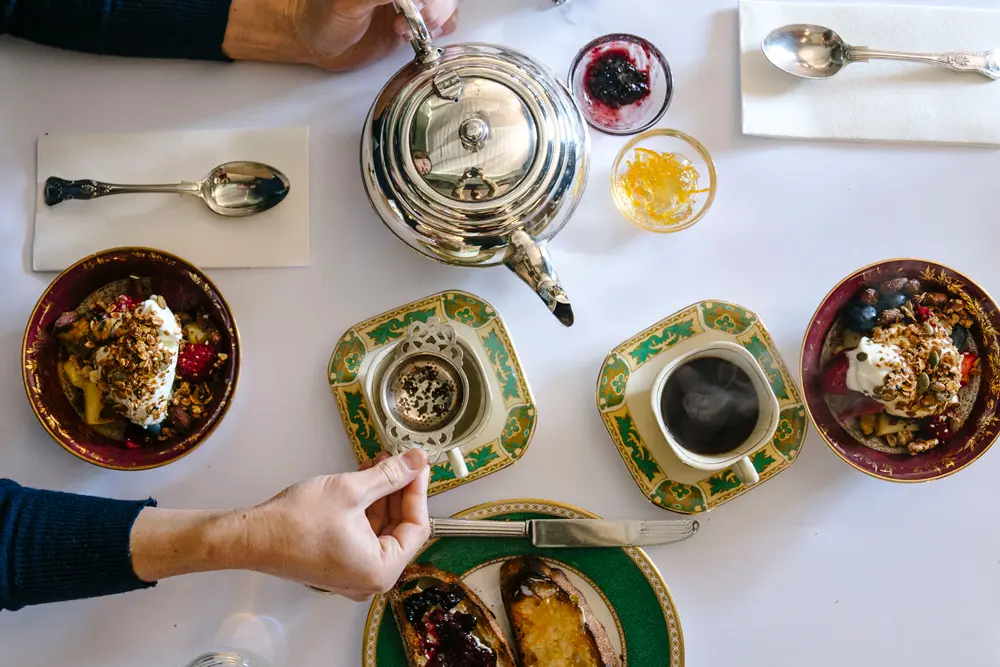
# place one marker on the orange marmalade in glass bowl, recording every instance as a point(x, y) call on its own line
point(663, 180)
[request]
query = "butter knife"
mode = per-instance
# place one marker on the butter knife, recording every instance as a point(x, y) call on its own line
point(571, 532)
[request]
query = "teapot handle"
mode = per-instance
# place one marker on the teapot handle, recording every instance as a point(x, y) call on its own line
point(421, 36)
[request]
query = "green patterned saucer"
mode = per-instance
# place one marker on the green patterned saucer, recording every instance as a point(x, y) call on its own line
point(623, 389)
point(623, 587)
point(498, 432)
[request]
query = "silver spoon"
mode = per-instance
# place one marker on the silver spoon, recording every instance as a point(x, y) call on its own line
point(231, 189)
point(815, 52)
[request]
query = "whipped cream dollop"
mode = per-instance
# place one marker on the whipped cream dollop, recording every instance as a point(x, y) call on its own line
point(865, 376)
point(144, 396)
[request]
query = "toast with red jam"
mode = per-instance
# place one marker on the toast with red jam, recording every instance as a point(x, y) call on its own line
point(552, 623)
point(444, 624)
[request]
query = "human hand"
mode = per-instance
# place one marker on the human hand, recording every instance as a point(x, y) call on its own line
point(350, 534)
point(335, 35)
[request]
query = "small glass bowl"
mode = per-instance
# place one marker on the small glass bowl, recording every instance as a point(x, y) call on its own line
point(666, 141)
point(631, 118)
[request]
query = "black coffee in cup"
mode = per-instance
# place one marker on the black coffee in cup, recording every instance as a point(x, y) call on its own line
point(709, 405)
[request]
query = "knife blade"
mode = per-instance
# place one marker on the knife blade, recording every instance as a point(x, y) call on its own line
point(569, 533)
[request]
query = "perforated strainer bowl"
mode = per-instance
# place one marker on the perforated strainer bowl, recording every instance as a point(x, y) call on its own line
point(425, 392)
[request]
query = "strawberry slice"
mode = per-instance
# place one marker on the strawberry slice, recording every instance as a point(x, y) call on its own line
point(835, 376)
point(968, 363)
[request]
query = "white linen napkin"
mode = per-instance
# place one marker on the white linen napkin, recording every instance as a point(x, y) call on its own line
point(178, 224)
point(880, 100)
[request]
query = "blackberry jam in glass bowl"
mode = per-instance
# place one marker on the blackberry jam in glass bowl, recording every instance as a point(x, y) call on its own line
point(622, 83)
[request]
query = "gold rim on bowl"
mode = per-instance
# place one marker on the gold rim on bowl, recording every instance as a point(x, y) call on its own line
point(36, 409)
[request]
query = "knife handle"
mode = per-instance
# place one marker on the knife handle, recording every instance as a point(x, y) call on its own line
point(474, 528)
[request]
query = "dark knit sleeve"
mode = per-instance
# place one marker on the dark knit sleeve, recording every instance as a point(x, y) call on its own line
point(143, 28)
point(61, 546)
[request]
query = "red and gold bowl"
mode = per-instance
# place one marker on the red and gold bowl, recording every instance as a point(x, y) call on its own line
point(981, 428)
point(185, 288)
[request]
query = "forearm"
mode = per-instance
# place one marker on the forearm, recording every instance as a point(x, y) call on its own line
point(142, 28)
point(165, 543)
point(261, 30)
point(60, 546)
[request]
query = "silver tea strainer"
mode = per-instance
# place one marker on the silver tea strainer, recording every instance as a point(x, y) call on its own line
point(425, 392)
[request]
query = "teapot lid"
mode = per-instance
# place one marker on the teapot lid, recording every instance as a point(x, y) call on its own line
point(474, 140)
point(475, 145)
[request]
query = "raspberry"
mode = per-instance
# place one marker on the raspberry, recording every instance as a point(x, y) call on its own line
point(195, 360)
point(938, 426)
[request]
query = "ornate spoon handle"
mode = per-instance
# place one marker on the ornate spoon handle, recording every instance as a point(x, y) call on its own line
point(59, 189)
point(986, 63)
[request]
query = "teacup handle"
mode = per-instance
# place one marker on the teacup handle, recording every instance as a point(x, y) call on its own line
point(745, 471)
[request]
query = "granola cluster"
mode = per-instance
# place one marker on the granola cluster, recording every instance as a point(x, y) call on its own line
point(132, 367)
point(927, 375)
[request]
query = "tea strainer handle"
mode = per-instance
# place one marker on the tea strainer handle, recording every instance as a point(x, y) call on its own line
point(421, 36)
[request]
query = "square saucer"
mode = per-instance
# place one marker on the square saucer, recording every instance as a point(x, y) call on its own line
point(506, 417)
point(623, 400)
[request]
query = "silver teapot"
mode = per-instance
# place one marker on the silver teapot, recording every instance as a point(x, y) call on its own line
point(476, 155)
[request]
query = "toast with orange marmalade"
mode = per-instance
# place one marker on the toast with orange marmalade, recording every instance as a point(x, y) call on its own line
point(552, 623)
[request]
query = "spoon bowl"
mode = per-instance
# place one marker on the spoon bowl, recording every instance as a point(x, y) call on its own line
point(243, 188)
point(808, 51)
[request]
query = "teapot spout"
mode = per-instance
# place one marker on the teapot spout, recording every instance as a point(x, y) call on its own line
point(529, 259)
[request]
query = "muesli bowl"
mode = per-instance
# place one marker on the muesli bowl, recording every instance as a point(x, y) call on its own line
point(108, 297)
point(900, 370)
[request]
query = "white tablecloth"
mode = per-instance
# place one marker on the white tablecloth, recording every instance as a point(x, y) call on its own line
point(822, 566)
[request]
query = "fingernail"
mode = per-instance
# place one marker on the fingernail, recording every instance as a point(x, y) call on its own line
point(415, 459)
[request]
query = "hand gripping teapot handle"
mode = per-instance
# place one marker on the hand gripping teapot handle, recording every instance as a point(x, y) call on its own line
point(420, 35)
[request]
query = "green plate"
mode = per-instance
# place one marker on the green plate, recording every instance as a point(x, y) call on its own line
point(623, 587)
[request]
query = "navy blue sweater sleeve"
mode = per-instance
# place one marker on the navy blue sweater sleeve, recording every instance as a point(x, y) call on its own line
point(143, 28)
point(61, 546)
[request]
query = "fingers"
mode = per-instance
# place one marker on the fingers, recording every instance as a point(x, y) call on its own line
point(413, 527)
point(357, 8)
point(378, 512)
point(436, 14)
point(451, 25)
point(413, 502)
point(389, 475)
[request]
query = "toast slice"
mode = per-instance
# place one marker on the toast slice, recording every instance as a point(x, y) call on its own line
point(444, 624)
point(552, 623)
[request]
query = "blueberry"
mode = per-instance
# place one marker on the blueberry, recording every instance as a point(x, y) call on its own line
point(960, 337)
point(860, 318)
point(890, 301)
point(153, 430)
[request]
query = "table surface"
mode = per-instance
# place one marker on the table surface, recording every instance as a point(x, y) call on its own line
point(821, 566)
